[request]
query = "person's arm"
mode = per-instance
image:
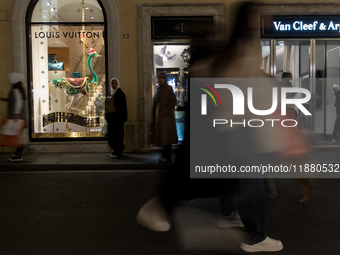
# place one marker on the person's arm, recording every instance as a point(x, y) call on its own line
point(170, 106)
point(18, 104)
point(121, 107)
point(4, 99)
point(124, 105)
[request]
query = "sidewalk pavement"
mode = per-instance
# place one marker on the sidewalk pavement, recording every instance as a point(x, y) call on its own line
point(143, 160)
point(83, 161)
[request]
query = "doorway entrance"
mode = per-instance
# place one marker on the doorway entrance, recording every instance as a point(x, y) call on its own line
point(173, 59)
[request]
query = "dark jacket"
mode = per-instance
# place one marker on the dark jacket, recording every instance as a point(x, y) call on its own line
point(119, 101)
point(337, 100)
point(11, 105)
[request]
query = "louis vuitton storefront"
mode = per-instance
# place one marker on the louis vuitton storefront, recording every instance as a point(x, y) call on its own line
point(66, 68)
point(62, 48)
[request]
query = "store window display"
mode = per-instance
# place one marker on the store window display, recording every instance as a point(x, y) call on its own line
point(67, 68)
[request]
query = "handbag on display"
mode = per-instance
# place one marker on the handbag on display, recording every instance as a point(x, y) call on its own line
point(76, 75)
point(109, 106)
point(55, 65)
point(11, 133)
point(51, 57)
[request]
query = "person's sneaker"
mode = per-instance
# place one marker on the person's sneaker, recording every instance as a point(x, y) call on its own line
point(335, 139)
point(268, 244)
point(9, 159)
point(154, 216)
point(15, 158)
point(116, 155)
point(164, 160)
point(231, 221)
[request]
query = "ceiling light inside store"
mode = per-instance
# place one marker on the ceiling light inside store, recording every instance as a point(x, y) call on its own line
point(48, 4)
point(86, 8)
point(92, 17)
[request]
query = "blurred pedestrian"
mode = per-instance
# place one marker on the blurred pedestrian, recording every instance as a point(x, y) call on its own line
point(16, 110)
point(336, 129)
point(291, 113)
point(240, 145)
point(248, 145)
point(286, 77)
point(164, 123)
point(116, 116)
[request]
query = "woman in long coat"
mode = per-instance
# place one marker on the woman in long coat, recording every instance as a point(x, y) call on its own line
point(164, 125)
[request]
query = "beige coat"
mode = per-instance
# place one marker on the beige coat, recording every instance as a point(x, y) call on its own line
point(164, 124)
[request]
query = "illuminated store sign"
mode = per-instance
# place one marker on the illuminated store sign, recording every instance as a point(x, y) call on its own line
point(300, 26)
point(88, 34)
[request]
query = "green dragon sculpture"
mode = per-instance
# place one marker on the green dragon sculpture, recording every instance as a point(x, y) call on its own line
point(79, 85)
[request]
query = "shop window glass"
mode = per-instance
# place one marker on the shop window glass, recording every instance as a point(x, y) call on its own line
point(67, 11)
point(67, 69)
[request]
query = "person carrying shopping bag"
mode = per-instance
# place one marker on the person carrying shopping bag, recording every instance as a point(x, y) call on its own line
point(16, 116)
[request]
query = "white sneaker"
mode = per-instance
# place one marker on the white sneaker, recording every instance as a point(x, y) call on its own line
point(231, 221)
point(15, 158)
point(163, 160)
point(267, 244)
point(154, 216)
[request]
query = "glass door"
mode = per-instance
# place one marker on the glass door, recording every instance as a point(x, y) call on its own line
point(293, 68)
point(327, 60)
point(266, 62)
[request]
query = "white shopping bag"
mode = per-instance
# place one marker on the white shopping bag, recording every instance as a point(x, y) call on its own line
point(104, 129)
point(11, 127)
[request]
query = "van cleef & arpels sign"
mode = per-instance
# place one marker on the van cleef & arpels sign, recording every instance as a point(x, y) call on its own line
point(300, 26)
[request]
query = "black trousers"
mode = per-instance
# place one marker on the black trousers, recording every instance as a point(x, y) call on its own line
point(252, 207)
point(116, 135)
point(336, 129)
point(19, 151)
point(167, 152)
